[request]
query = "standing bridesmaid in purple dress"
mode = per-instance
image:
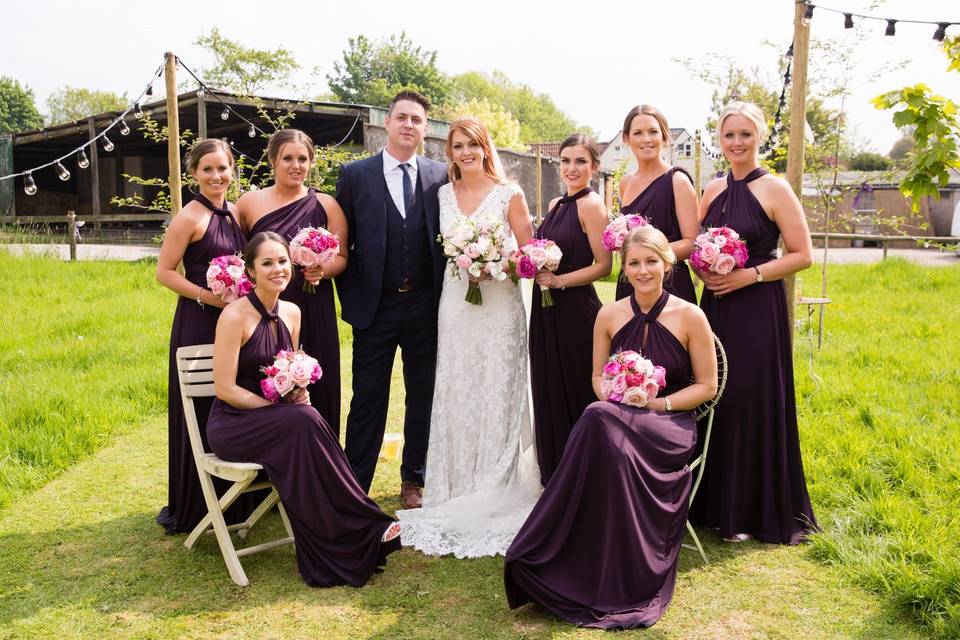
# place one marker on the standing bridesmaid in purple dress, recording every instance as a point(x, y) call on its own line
point(561, 335)
point(753, 485)
point(664, 195)
point(284, 208)
point(203, 230)
point(341, 535)
point(600, 547)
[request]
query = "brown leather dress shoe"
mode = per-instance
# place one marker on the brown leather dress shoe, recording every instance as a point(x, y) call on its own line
point(411, 495)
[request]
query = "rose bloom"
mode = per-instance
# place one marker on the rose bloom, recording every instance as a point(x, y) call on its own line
point(606, 388)
point(725, 264)
point(650, 387)
point(269, 390)
point(218, 287)
point(620, 383)
point(660, 375)
point(709, 253)
point(635, 396)
point(611, 368)
point(282, 364)
point(283, 381)
point(235, 271)
point(720, 240)
point(463, 261)
point(473, 250)
point(213, 271)
point(538, 255)
point(526, 268)
point(300, 372)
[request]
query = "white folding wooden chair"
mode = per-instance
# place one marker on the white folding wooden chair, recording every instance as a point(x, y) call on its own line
point(699, 463)
point(195, 371)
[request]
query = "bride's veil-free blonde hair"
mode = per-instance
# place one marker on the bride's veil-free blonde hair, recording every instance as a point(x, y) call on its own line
point(477, 132)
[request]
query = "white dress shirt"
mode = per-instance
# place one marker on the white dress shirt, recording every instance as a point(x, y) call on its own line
point(393, 174)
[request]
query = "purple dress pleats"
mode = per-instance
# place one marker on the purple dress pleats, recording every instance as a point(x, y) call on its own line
point(753, 482)
point(600, 547)
point(193, 324)
point(561, 340)
point(656, 203)
point(337, 528)
point(318, 325)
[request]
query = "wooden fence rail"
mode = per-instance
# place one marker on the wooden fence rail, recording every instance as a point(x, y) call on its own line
point(883, 240)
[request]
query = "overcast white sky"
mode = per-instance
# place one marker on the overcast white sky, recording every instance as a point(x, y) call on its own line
point(596, 59)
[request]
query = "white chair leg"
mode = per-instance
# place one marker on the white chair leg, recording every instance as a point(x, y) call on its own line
point(286, 519)
point(222, 505)
point(696, 541)
point(230, 557)
point(262, 509)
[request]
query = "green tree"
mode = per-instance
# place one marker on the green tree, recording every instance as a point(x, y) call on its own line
point(902, 148)
point(869, 161)
point(72, 103)
point(936, 129)
point(18, 112)
point(244, 70)
point(541, 120)
point(372, 72)
point(503, 127)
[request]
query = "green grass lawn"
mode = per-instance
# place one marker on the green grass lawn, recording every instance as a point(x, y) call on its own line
point(83, 472)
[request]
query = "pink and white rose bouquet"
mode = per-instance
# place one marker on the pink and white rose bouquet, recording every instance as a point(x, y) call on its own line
point(720, 250)
point(536, 256)
point(629, 378)
point(477, 248)
point(227, 278)
point(313, 247)
point(290, 370)
point(616, 232)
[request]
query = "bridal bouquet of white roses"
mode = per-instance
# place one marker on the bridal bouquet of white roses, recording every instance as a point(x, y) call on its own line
point(477, 248)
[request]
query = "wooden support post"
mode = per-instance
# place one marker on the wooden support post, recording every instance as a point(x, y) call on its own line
point(608, 193)
point(539, 174)
point(72, 233)
point(173, 131)
point(201, 117)
point(697, 159)
point(798, 123)
point(94, 174)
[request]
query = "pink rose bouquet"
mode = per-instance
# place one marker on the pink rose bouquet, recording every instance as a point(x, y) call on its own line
point(616, 232)
point(720, 250)
point(536, 256)
point(477, 249)
point(290, 369)
point(313, 247)
point(227, 278)
point(629, 378)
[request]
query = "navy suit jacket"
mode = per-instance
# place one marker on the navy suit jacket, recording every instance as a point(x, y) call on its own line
point(361, 193)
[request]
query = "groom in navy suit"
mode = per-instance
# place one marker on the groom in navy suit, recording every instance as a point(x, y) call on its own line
point(390, 290)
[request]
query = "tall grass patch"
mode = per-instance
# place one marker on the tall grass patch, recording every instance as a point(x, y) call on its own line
point(83, 357)
point(881, 434)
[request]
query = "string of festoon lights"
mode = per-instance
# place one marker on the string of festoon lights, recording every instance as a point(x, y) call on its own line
point(939, 34)
point(83, 162)
point(120, 123)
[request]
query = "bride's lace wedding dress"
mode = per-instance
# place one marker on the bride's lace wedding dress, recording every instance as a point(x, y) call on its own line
point(481, 478)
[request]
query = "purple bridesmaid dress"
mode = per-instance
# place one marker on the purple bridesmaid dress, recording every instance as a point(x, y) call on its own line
point(337, 528)
point(753, 482)
point(561, 339)
point(193, 324)
point(600, 547)
point(657, 205)
point(318, 326)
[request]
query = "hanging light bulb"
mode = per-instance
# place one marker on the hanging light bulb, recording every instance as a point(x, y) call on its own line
point(82, 160)
point(807, 15)
point(137, 111)
point(786, 78)
point(124, 129)
point(225, 114)
point(107, 145)
point(200, 92)
point(149, 91)
point(941, 31)
point(891, 28)
point(252, 131)
point(789, 54)
point(848, 21)
point(62, 172)
point(29, 186)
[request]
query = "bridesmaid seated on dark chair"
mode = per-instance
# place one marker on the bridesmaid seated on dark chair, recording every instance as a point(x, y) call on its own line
point(600, 547)
point(341, 535)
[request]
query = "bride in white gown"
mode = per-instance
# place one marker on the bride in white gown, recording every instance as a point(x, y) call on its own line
point(481, 477)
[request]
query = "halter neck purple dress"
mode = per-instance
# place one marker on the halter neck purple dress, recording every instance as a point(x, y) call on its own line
point(193, 324)
point(753, 482)
point(600, 547)
point(657, 204)
point(337, 528)
point(561, 339)
point(318, 325)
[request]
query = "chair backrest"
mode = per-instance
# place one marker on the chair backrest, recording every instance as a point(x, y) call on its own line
point(703, 409)
point(195, 372)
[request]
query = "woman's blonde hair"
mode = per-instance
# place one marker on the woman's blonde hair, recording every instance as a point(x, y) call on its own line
point(748, 110)
point(652, 238)
point(478, 133)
